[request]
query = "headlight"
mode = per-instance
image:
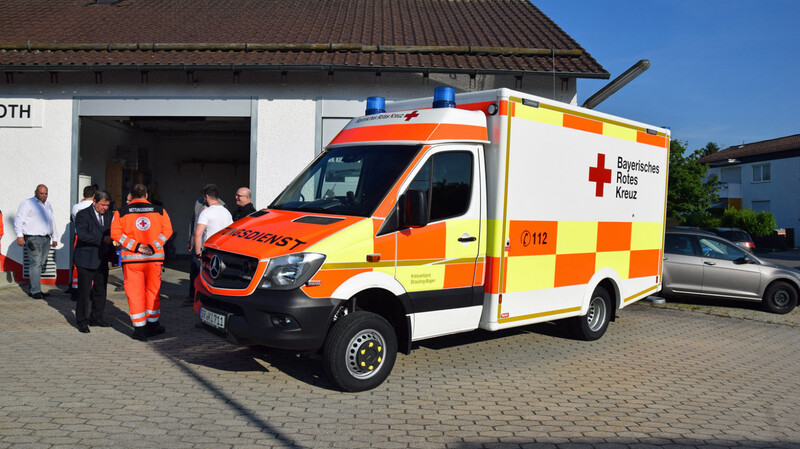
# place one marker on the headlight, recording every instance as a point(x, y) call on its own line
point(291, 271)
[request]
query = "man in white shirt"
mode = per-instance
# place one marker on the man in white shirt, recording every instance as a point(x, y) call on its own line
point(212, 219)
point(36, 230)
point(88, 199)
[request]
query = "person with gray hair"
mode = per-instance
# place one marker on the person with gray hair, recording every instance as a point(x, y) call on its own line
point(243, 205)
point(93, 251)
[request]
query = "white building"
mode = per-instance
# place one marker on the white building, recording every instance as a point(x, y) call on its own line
point(762, 176)
point(178, 94)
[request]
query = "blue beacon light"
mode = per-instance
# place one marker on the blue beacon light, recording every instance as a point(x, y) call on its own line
point(444, 97)
point(375, 105)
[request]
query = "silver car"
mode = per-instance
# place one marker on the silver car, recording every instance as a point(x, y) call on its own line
point(699, 264)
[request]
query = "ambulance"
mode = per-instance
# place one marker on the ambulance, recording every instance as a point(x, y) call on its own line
point(434, 216)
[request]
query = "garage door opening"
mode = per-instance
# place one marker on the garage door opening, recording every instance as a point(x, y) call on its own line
point(173, 156)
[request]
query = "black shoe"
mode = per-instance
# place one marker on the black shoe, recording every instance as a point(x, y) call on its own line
point(83, 328)
point(155, 329)
point(37, 295)
point(139, 333)
point(45, 295)
point(99, 323)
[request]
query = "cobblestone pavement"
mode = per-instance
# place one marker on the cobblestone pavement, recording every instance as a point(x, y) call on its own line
point(661, 377)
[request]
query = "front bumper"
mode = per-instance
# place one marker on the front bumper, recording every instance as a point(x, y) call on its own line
point(261, 318)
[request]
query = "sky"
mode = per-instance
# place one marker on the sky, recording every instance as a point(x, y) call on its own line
point(722, 71)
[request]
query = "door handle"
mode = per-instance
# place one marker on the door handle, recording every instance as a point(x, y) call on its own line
point(709, 263)
point(467, 238)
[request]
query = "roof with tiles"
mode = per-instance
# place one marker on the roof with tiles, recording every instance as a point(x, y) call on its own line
point(766, 149)
point(474, 36)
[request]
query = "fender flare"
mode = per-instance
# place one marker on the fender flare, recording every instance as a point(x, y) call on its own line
point(366, 281)
point(600, 276)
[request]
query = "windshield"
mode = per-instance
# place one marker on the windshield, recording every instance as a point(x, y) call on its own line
point(347, 180)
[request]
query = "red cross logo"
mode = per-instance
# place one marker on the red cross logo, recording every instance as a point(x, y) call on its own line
point(600, 174)
point(411, 115)
point(143, 224)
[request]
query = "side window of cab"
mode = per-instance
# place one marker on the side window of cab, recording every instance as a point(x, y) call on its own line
point(446, 179)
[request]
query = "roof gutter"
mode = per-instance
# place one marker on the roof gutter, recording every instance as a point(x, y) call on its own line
point(286, 68)
point(331, 47)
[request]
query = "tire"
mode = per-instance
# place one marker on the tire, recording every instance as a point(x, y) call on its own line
point(780, 297)
point(593, 325)
point(360, 351)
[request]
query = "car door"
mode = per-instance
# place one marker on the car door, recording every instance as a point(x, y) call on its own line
point(436, 263)
point(726, 272)
point(683, 266)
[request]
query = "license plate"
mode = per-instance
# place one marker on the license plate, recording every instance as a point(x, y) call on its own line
point(212, 319)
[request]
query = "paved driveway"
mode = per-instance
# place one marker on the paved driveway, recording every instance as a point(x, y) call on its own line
point(660, 377)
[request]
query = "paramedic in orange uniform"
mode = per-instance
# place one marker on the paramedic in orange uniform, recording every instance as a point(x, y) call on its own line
point(142, 229)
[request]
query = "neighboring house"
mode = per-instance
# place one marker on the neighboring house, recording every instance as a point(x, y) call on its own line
point(762, 176)
point(180, 93)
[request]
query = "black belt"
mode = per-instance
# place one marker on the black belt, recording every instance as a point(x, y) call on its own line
point(29, 235)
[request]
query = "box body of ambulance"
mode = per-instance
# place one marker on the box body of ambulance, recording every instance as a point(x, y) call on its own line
point(488, 210)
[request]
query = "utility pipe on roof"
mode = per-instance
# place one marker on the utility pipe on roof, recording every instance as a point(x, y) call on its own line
point(617, 84)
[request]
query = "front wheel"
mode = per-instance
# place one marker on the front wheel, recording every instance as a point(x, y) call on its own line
point(780, 297)
point(594, 324)
point(360, 351)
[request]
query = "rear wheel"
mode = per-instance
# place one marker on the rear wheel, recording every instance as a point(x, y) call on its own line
point(594, 324)
point(780, 297)
point(360, 351)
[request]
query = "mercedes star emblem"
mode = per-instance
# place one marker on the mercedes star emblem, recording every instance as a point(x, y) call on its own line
point(216, 267)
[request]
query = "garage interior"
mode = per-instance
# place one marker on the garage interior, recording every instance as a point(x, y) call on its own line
point(173, 156)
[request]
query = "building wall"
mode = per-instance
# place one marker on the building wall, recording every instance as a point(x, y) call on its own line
point(781, 192)
point(287, 116)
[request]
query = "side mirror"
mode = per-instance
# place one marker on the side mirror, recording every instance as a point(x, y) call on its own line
point(414, 209)
point(743, 260)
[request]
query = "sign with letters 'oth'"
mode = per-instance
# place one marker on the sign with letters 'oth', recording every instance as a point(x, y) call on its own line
point(21, 113)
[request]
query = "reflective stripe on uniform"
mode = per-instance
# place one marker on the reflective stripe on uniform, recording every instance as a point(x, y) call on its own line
point(122, 239)
point(157, 244)
point(140, 257)
point(163, 239)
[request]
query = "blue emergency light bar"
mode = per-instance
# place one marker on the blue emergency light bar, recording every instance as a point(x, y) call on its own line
point(444, 97)
point(376, 105)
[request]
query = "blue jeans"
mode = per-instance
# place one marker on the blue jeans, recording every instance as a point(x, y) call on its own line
point(38, 248)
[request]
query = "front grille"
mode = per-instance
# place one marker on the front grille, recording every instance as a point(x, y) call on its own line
point(232, 271)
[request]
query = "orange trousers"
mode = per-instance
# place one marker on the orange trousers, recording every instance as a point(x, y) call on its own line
point(142, 284)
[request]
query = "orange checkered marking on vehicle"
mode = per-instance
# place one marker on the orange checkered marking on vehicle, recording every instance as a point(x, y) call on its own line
point(492, 275)
point(649, 139)
point(613, 236)
point(646, 262)
point(383, 245)
point(583, 124)
point(459, 275)
point(422, 243)
point(529, 238)
point(574, 269)
point(413, 132)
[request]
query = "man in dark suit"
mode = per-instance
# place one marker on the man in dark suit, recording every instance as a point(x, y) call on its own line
point(92, 250)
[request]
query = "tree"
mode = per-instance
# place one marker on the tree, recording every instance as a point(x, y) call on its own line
point(710, 148)
point(688, 196)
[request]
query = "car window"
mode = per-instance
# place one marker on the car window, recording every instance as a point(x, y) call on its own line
point(719, 250)
point(678, 244)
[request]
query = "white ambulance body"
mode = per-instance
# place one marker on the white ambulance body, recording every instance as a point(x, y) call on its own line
point(507, 210)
